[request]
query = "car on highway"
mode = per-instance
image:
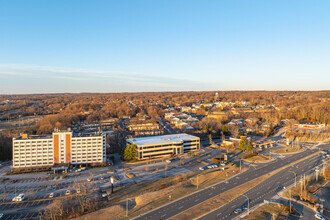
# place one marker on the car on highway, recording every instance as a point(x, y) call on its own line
point(67, 192)
point(238, 210)
point(104, 195)
point(319, 216)
point(52, 195)
point(18, 198)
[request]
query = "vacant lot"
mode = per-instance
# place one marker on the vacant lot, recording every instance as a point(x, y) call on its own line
point(289, 149)
point(259, 158)
point(268, 211)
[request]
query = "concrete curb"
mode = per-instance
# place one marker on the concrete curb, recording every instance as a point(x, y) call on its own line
point(187, 196)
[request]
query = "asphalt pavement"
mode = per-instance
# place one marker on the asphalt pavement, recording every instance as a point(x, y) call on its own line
point(189, 201)
point(267, 190)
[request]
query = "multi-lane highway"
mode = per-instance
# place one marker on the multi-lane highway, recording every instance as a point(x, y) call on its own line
point(267, 190)
point(187, 202)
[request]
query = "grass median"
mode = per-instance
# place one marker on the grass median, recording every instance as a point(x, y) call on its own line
point(150, 195)
point(222, 199)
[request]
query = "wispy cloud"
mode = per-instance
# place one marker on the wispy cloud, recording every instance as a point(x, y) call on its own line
point(120, 81)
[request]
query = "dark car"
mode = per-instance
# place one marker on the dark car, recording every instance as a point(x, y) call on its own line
point(14, 181)
point(238, 210)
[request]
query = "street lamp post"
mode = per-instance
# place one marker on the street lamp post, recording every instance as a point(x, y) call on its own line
point(240, 165)
point(295, 178)
point(290, 200)
point(127, 207)
point(197, 179)
point(248, 203)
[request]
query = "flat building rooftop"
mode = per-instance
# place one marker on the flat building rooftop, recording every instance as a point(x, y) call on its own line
point(161, 139)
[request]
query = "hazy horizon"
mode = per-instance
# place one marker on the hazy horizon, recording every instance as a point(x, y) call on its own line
point(157, 46)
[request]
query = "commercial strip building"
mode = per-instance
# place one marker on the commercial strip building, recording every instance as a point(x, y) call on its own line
point(143, 127)
point(161, 146)
point(62, 148)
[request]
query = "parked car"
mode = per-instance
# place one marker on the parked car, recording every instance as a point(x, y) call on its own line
point(90, 179)
point(14, 181)
point(67, 192)
point(78, 191)
point(167, 161)
point(201, 168)
point(18, 198)
point(51, 195)
point(1, 215)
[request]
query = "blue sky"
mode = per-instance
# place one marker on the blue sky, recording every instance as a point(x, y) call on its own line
point(164, 45)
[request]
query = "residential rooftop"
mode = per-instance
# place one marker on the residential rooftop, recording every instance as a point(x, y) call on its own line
point(161, 139)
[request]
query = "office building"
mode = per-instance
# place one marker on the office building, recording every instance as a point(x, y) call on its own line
point(161, 146)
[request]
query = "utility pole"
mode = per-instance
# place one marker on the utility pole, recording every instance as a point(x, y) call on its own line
point(290, 200)
point(240, 165)
point(127, 207)
point(301, 186)
point(165, 168)
point(316, 174)
point(295, 178)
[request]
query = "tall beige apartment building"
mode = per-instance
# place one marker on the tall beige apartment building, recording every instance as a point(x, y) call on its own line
point(61, 147)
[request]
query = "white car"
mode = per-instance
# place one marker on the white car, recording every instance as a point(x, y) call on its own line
point(67, 192)
point(78, 191)
point(215, 166)
point(209, 166)
point(104, 195)
point(51, 195)
point(201, 168)
point(167, 161)
point(18, 198)
point(89, 179)
point(319, 216)
point(1, 215)
point(223, 164)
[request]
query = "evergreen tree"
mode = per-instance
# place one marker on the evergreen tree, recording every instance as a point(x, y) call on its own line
point(250, 145)
point(225, 130)
point(242, 144)
point(130, 152)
